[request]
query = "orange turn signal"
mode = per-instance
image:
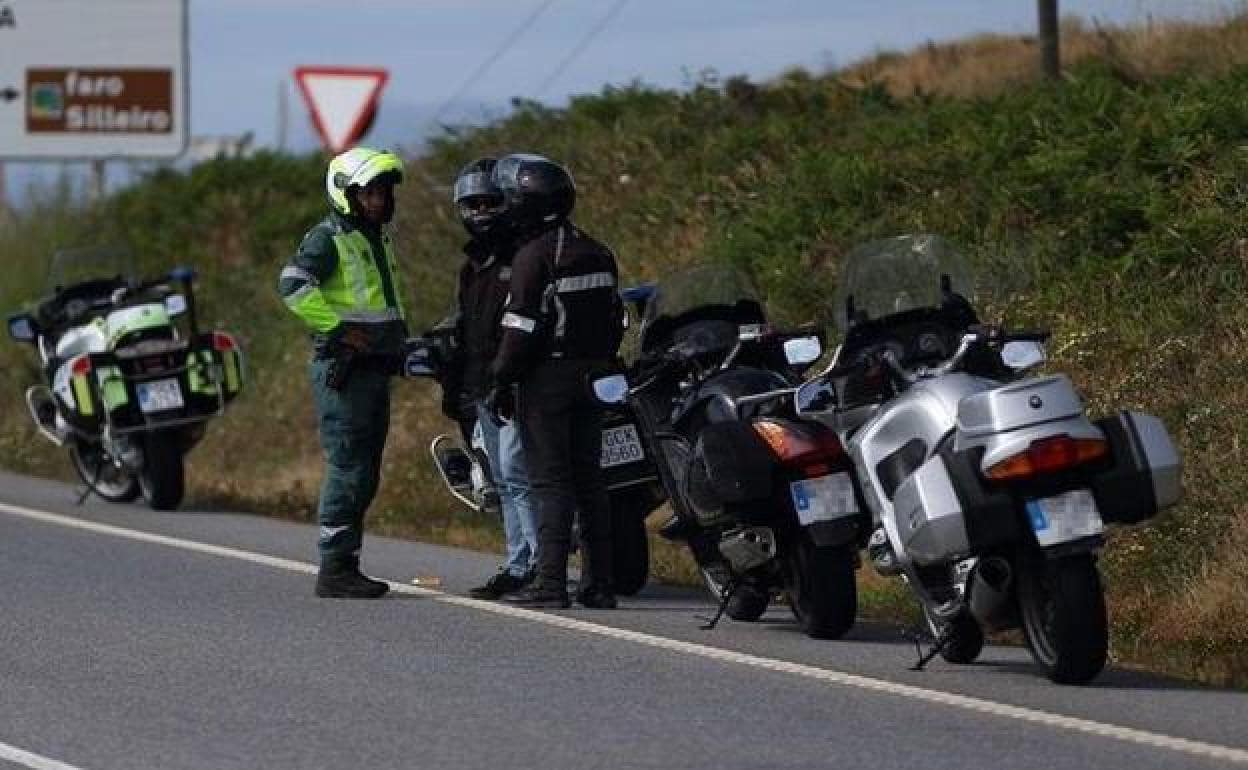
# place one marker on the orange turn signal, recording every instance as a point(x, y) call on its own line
point(1048, 455)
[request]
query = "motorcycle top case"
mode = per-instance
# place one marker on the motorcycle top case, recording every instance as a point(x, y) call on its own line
point(1145, 473)
point(1018, 405)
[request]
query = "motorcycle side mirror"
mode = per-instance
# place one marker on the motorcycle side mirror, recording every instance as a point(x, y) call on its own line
point(1021, 355)
point(818, 395)
point(802, 351)
point(22, 327)
point(611, 390)
point(175, 304)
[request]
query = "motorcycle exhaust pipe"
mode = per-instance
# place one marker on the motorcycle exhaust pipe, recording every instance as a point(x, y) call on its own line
point(990, 589)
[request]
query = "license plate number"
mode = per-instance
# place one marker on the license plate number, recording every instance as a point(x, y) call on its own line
point(159, 395)
point(1062, 518)
point(620, 445)
point(825, 498)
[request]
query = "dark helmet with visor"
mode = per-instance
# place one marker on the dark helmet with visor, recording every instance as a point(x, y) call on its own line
point(537, 192)
point(477, 199)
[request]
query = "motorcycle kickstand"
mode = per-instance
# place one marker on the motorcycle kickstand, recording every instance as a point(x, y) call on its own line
point(938, 646)
point(730, 588)
point(95, 479)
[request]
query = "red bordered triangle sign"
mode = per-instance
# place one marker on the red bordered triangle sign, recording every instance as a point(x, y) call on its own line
point(342, 101)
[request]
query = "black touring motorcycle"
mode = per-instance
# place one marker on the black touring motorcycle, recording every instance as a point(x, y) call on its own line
point(766, 502)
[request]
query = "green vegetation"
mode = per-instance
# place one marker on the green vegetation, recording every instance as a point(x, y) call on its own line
point(1108, 207)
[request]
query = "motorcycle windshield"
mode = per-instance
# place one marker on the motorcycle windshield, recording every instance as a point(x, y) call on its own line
point(697, 289)
point(71, 267)
point(707, 302)
point(897, 275)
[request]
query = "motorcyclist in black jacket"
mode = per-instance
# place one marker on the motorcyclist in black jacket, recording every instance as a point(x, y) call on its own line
point(561, 325)
point(482, 291)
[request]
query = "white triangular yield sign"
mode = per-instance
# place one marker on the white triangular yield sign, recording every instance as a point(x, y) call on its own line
point(342, 101)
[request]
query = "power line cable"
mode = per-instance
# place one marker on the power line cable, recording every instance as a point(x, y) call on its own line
point(580, 47)
point(489, 61)
point(475, 76)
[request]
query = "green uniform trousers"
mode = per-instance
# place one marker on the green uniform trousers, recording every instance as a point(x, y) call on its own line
point(353, 426)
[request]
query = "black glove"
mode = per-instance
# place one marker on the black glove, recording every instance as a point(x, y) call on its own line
point(501, 403)
point(452, 404)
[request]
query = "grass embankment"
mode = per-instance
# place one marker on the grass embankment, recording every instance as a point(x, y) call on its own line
point(1109, 207)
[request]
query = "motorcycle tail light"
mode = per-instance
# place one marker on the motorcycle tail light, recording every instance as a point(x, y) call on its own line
point(223, 343)
point(807, 447)
point(1048, 455)
point(80, 366)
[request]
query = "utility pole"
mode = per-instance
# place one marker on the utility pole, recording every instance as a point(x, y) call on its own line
point(1050, 52)
point(96, 181)
point(283, 113)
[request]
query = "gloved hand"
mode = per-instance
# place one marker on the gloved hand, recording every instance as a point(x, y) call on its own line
point(501, 403)
point(451, 404)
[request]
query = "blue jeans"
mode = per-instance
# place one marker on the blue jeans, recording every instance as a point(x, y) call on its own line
point(511, 479)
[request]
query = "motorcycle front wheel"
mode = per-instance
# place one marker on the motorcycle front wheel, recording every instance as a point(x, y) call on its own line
point(1064, 618)
point(97, 471)
point(163, 478)
point(822, 590)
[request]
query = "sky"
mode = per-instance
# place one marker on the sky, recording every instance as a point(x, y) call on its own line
point(242, 52)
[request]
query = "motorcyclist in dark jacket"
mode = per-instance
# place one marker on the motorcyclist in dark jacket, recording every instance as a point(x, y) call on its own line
point(561, 325)
point(483, 287)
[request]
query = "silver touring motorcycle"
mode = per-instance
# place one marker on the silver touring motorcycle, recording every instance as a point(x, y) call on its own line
point(989, 489)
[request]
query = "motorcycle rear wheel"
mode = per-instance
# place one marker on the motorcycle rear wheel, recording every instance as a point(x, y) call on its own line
point(1064, 617)
point(630, 544)
point(163, 478)
point(98, 472)
point(822, 591)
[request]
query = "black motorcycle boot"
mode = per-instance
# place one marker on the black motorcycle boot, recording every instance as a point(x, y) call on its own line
point(596, 597)
point(539, 597)
point(343, 580)
point(503, 582)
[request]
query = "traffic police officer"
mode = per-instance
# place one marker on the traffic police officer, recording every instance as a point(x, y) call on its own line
point(343, 284)
point(561, 325)
point(482, 291)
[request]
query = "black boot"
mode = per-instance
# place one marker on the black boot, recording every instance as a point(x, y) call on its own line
point(596, 597)
point(343, 580)
point(502, 583)
point(539, 597)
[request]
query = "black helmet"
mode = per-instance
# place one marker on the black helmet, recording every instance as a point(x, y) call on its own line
point(478, 200)
point(537, 192)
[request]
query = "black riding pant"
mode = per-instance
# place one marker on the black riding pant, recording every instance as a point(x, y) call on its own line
point(561, 428)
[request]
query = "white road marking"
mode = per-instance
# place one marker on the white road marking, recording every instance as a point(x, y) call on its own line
point(27, 759)
point(980, 705)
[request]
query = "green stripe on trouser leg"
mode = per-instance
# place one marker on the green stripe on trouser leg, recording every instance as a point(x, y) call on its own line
point(353, 426)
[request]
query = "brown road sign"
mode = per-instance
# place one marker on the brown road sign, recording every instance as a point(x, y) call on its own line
point(91, 100)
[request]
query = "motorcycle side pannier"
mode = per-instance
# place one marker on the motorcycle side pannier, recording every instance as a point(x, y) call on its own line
point(1145, 474)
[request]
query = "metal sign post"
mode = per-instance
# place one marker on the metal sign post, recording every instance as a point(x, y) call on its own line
point(89, 80)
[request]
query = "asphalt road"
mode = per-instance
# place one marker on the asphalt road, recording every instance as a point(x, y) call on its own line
point(132, 639)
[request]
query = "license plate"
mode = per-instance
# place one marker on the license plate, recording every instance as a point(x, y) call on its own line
point(1065, 517)
point(825, 498)
point(159, 395)
point(620, 445)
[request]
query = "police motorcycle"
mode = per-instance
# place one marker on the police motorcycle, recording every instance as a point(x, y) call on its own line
point(764, 501)
point(629, 473)
point(129, 388)
point(989, 489)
